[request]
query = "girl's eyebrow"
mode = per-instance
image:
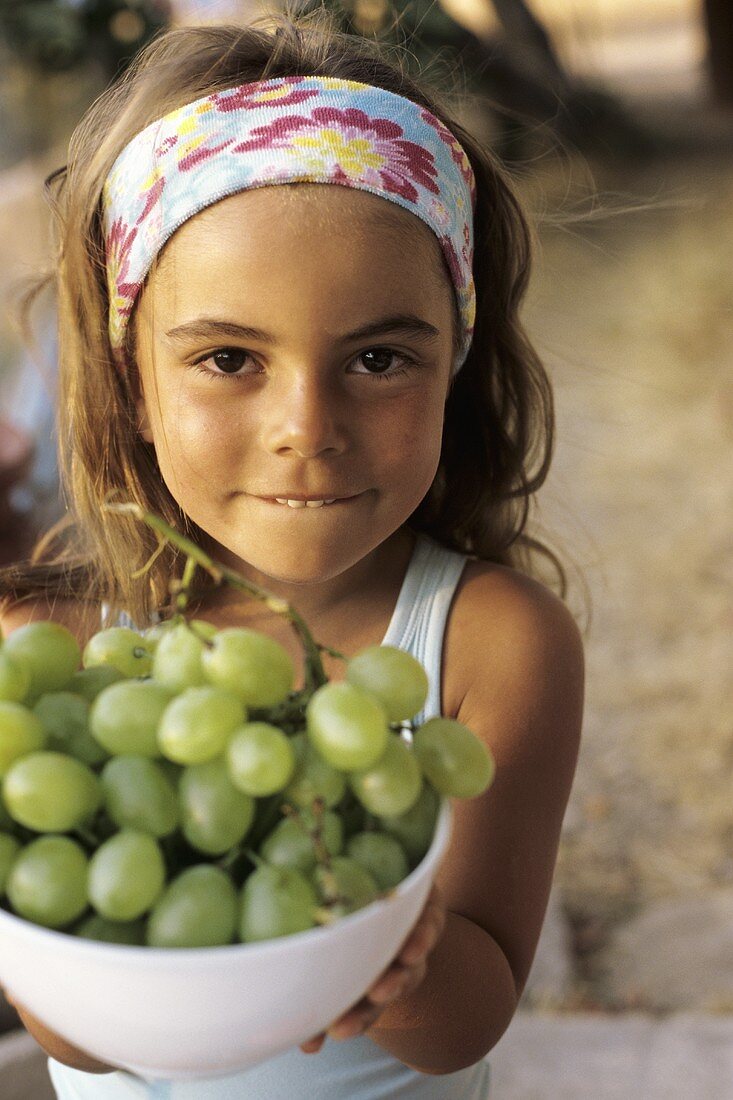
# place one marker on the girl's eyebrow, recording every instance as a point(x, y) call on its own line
point(204, 328)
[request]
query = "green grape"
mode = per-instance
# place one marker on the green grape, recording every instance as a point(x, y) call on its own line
point(65, 718)
point(120, 647)
point(347, 726)
point(15, 677)
point(99, 928)
point(50, 651)
point(88, 682)
point(354, 885)
point(50, 792)
point(214, 814)
point(197, 724)
point(393, 785)
point(394, 677)
point(6, 822)
point(381, 855)
point(21, 732)
point(137, 795)
point(256, 668)
point(313, 778)
point(453, 758)
point(415, 828)
point(275, 901)
point(198, 909)
point(290, 843)
point(260, 758)
point(47, 883)
point(124, 717)
point(177, 658)
point(126, 875)
point(153, 634)
point(9, 848)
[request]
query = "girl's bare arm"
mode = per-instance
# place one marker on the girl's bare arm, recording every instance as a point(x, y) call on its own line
point(522, 693)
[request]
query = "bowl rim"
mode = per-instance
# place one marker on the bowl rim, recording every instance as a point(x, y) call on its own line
point(174, 956)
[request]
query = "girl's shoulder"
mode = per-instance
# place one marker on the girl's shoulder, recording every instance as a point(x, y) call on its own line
point(81, 618)
point(504, 626)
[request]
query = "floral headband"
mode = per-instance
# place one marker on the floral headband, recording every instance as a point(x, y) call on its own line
point(286, 130)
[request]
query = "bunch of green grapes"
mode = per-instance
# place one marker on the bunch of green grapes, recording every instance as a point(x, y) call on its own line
point(171, 789)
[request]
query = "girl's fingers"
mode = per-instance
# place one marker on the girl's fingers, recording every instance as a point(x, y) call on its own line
point(405, 974)
point(313, 1045)
point(356, 1020)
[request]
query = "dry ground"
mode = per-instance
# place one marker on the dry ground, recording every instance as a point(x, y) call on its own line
point(633, 315)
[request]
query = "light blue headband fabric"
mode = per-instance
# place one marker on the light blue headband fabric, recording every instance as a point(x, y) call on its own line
point(285, 130)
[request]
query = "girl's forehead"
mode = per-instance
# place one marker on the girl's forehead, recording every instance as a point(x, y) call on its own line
point(251, 222)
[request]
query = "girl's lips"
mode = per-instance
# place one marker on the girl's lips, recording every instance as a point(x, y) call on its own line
point(334, 501)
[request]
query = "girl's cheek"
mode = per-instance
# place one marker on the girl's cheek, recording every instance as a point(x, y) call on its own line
point(194, 444)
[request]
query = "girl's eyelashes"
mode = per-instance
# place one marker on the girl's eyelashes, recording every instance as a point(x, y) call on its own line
point(382, 357)
point(228, 363)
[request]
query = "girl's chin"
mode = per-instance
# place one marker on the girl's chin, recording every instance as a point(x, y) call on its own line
point(297, 567)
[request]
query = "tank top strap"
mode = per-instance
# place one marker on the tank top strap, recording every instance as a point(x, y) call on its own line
point(421, 612)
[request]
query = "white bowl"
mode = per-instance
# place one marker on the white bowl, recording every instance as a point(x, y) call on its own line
point(197, 1012)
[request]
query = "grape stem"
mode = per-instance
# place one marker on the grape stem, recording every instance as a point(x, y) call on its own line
point(332, 896)
point(183, 587)
point(315, 674)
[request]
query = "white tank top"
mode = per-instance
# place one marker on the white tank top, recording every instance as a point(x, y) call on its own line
point(354, 1069)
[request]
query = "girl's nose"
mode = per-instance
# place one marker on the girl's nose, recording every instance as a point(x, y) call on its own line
point(304, 417)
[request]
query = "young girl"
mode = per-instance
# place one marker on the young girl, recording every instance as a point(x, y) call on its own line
point(288, 287)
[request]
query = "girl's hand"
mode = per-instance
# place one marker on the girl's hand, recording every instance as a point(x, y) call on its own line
point(404, 975)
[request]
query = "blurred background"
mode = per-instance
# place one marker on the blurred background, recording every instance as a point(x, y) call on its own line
point(615, 118)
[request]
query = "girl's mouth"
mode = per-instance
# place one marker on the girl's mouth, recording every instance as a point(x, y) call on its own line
point(300, 503)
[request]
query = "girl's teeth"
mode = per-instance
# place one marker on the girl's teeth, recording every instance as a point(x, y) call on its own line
point(304, 503)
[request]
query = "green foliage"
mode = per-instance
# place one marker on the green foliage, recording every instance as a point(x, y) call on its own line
point(59, 35)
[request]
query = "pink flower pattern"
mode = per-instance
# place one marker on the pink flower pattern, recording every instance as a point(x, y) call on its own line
point(249, 97)
point(401, 161)
point(457, 151)
point(118, 244)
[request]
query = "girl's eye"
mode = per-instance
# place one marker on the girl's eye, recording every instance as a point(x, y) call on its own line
point(381, 363)
point(227, 361)
point(378, 361)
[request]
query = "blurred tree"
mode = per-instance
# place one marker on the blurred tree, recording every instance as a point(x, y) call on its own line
point(57, 35)
point(719, 23)
point(517, 71)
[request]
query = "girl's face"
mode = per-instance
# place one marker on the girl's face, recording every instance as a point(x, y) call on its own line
point(296, 342)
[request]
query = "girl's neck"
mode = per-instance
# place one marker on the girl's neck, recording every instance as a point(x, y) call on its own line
point(359, 598)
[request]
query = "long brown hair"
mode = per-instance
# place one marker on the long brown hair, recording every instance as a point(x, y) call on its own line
point(499, 422)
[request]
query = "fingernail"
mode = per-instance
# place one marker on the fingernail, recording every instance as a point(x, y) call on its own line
point(340, 1032)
